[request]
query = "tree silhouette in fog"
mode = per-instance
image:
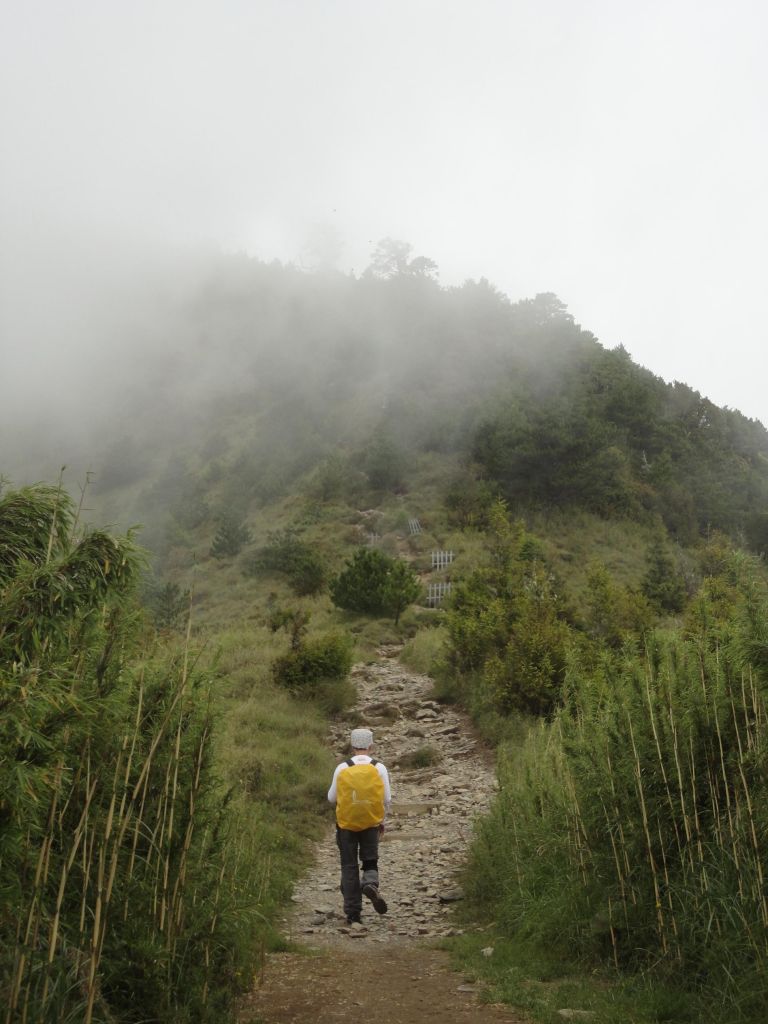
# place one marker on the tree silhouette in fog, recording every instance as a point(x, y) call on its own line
point(392, 258)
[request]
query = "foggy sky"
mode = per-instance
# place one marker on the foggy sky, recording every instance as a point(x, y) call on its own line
point(611, 152)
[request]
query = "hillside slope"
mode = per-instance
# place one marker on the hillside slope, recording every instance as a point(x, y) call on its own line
point(278, 422)
point(252, 376)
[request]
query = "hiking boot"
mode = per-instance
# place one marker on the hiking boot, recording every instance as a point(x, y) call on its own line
point(378, 901)
point(354, 919)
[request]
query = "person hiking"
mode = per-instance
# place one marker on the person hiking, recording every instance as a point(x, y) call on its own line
point(360, 790)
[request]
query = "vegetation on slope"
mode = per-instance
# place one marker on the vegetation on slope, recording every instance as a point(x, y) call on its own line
point(268, 374)
point(630, 827)
point(598, 616)
point(134, 887)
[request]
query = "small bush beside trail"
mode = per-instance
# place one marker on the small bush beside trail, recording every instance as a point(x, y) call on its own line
point(313, 663)
point(508, 623)
point(423, 757)
point(375, 584)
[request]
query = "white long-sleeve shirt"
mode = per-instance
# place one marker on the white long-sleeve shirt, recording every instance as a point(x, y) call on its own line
point(362, 759)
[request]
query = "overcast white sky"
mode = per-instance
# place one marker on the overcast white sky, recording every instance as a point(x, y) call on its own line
point(610, 151)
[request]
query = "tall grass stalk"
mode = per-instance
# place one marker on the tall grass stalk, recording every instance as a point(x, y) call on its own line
point(649, 844)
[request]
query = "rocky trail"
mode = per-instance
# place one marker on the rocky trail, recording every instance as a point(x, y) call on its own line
point(388, 969)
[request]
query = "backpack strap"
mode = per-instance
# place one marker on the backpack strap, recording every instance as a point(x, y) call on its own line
point(349, 763)
point(374, 762)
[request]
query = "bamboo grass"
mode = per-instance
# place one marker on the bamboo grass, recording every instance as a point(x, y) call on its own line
point(653, 781)
point(649, 843)
point(118, 753)
point(752, 827)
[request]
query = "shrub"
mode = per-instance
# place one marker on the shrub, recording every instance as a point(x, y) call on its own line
point(331, 479)
point(468, 500)
point(285, 553)
point(663, 585)
point(613, 614)
point(190, 511)
point(528, 675)
point(384, 464)
point(314, 662)
point(374, 584)
point(629, 827)
point(230, 537)
point(168, 603)
point(424, 757)
point(507, 626)
point(756, 530)
point(335, 695)
point(293, 620)
point(360, 585)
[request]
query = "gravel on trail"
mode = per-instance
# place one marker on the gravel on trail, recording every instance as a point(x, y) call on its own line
point(388, 968)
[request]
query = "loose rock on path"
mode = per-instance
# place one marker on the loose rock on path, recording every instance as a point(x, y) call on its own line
point(388, 969)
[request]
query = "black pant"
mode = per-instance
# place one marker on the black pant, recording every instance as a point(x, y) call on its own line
point(354, 846)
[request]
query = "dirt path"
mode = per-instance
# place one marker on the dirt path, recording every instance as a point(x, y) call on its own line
point(388, 969)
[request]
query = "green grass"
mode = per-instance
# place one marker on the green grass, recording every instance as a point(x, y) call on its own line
point(540, 983)
point(422, 757)
point(271, 749)
point(573, 540)
point(423, 651)
point(274, 760)
point(271, 745)
point(584, 858)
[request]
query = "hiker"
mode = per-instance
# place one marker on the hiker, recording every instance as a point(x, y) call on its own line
point(360, 790)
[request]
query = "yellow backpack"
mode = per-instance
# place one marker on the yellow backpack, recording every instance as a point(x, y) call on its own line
point(359, 797)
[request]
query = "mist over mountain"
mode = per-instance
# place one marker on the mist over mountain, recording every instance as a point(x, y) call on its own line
point(213, 365)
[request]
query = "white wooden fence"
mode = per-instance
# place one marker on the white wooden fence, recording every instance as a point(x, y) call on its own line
point(436, 592)
point(441, 559)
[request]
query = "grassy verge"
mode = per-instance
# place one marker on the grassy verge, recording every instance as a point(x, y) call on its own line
point(273, 756)
point(541, 982)
point(423, 652)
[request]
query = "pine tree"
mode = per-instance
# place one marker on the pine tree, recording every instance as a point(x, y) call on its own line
point(662, 584)
point(375, 584)
point(401, 588)
point(230, 538)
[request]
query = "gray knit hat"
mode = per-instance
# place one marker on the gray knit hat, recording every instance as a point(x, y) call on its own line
point(361, 739)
